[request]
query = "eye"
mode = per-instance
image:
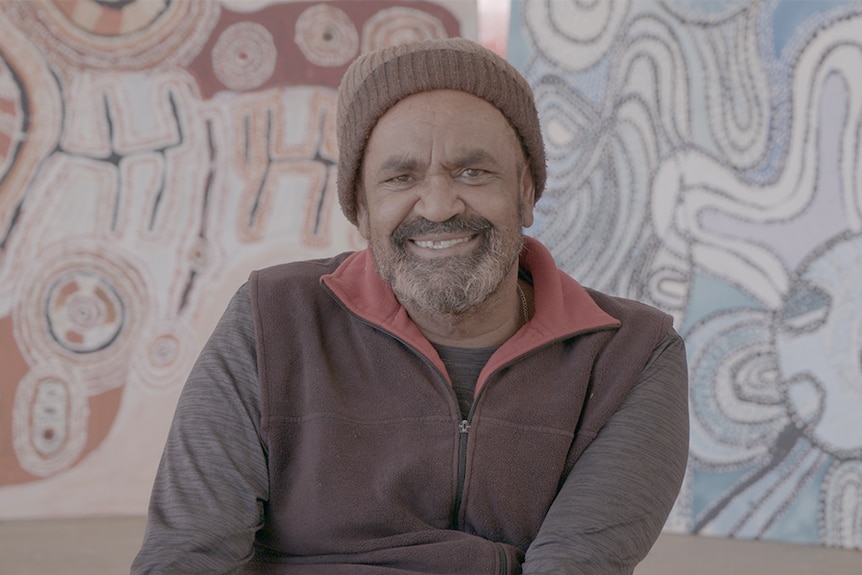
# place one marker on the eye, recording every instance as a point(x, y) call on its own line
point(473, 172)
point(400, 179)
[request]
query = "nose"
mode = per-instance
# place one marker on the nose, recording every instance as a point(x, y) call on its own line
point(439, 199)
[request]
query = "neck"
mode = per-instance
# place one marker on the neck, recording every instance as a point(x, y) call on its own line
point(488, 325)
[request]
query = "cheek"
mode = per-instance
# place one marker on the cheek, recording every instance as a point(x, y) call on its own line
point(386, 214)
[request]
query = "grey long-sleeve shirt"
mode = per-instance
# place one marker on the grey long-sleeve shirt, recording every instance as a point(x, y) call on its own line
point(207, 500)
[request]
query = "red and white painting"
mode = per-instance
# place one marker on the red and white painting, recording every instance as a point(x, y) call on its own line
point(152, 153)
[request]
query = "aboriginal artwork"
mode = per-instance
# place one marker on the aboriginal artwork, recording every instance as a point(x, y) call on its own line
point(706, 157)
point(152, 153)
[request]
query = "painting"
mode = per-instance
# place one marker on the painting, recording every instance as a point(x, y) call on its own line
point(153, 153)
point(706, 157)
point(703, 157)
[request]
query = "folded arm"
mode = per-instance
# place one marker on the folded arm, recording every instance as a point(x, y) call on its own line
point(207, 500)
point(614, 503)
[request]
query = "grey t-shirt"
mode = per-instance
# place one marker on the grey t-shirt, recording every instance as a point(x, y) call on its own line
point(208, 495)
point(464, 366)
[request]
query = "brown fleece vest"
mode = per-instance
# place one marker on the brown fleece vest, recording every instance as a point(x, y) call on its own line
point(371, 469)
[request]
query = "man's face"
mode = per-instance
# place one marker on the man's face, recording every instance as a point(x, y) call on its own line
point(444, 194)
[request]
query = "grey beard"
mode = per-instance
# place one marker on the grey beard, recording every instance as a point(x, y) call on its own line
point(447, 286)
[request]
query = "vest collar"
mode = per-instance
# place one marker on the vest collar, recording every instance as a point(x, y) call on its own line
point(562, 307)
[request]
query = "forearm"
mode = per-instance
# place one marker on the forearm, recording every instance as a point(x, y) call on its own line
point(207, 498)
point(614, 503)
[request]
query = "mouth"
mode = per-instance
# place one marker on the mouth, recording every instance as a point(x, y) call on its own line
point(442, 244)
point(455, 237)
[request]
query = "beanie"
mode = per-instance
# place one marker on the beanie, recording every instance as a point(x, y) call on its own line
point(378, 80)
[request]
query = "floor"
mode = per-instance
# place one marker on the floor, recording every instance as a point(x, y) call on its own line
point(107, 546)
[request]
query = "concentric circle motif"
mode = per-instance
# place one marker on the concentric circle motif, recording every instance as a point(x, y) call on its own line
point(112, 17)
point(164, 351)
point(400, 25)
point(49, 421)
point(84, 311)
point(326, 36)
point(13, 101)
point(168, 352)
point(117, 34)
point(85, 305)
point(244, 56)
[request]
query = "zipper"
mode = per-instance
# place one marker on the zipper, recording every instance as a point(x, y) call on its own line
point(463, 436)
point(464, 424)
point(504, 561)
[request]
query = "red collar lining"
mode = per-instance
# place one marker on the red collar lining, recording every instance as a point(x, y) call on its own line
point(562, 306)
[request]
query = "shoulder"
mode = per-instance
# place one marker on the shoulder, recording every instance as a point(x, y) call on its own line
point(290, 288)
point(297, 271)
point(632, 313)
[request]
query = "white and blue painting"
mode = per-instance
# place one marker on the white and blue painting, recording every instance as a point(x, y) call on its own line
point(706, 157)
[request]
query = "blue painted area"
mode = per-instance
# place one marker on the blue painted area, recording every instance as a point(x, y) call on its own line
point(518, 51)
point(707, 485)
point(789, 17)
point(706, 8)
point(709, 294)
point(796, 524)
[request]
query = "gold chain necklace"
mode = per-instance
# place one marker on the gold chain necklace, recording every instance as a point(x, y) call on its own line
point(525, 311)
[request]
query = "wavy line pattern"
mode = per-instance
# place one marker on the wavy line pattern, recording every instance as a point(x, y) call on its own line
point(706, 157)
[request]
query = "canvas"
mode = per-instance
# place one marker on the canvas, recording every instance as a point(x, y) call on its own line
point(706, 157)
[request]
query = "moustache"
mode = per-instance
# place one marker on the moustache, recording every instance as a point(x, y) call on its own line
point(456, 224)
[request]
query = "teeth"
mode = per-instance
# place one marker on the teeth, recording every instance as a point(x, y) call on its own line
point(440, 245)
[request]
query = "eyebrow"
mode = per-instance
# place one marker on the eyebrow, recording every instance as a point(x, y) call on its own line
point(399, 164)
point(473, 157)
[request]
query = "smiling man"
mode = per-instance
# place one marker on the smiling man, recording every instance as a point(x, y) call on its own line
point(444, 191)
point(446, 401)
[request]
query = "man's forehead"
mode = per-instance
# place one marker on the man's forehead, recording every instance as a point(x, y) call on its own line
point(404, 160)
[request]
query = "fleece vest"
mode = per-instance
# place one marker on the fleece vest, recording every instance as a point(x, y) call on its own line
point(372, 468)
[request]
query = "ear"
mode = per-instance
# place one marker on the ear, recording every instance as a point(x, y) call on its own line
point(527, 196)
point(362, 214)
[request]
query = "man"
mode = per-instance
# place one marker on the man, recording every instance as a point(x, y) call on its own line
point(446, 401)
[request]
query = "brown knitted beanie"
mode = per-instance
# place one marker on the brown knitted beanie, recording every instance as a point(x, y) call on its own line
point(376, 81)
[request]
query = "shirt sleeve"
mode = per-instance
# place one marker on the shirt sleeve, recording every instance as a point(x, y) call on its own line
point(614, 503)
point(212, 481)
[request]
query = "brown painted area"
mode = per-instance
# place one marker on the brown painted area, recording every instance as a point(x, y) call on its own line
point(14, 367)
point(103, 409)
point(110, 310)
point(110, 22)
point(67, 7)
point(73, 336)
point(9, 107)
point(65, 291)
point(5, 145)
point(292, 68)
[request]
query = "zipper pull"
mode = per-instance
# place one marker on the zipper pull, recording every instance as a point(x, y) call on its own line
point(464, 426)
